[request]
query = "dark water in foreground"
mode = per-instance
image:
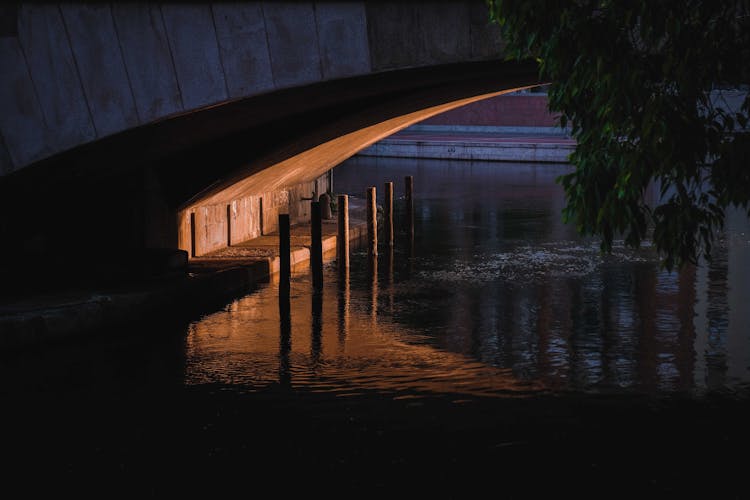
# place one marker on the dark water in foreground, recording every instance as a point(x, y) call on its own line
point(499, 352)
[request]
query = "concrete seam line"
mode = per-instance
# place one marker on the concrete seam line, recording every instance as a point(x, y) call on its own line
point(78, 71)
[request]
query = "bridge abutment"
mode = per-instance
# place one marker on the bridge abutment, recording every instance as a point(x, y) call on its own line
point(249, 216)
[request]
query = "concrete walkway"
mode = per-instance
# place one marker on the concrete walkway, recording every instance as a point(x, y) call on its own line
point(475, 145)
point(261, 255)
point(209, 280)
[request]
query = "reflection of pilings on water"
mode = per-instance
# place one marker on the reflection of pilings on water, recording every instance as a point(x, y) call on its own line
point(316, 343)
point(686, 301)
point(285, 311)
point(409, 196)
point(316, 244)
point(644, 289)
point(389, 264)
point(342, 239)
point(700, 324)
point(409, 214)
point(344, 297)
point(717, 314)
point(410, 252)
point(372, 223)
point(285, 264)
point(372, 272)
point(285, 340)
point(342, 263)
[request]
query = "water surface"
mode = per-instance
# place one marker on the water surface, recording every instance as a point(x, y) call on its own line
point(495, 296)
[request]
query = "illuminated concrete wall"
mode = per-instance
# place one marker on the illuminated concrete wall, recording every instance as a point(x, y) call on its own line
point(219, 224)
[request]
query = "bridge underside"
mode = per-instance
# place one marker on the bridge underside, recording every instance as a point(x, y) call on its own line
point(104, 202)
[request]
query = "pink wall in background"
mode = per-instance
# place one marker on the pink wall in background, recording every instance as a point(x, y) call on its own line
point(501, 111)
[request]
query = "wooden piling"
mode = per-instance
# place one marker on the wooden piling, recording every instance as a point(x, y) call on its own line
point(285, 247)
point(409, 195)
point(372, 222)
point(316, 244)
point(388, 213)
point(192, 234)
point(342, 237)
point(229, 225)
point(325, 206)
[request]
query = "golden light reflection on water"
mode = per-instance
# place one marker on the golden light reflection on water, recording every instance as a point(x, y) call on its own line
point(338, 341)
point(492, 295)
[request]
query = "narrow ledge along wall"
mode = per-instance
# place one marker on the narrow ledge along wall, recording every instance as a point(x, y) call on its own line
point(246, 217)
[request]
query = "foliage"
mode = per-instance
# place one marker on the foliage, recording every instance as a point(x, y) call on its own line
point(637, 84)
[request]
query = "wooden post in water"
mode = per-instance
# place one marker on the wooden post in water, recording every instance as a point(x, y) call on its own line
point(372, 223)
point(388, 213)
point(285, 248)
point(229, 225)
point(192, 234)
point(316, 244)
point(342, 237)
point(409, 194)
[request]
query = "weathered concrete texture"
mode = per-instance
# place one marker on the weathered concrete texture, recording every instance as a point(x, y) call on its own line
point(445, 32)
point(148, 60)
point(101, 68)
point(404, 34)
point(293, 43)
point(192, 39)
point(394, 33)
point(261, 255)
point(246, 217)
point(241, 32)
point(54, 74)
point(211, 228)
point(244, 225)
point(96, 49)
point(21, 120)
point(275, 203)
point(342, 35)
point(486, 42)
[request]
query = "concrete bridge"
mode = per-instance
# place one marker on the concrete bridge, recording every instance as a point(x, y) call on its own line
point(119, 121)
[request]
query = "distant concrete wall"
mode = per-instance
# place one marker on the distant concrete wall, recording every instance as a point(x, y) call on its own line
point(466, 149)
point(73, 73)
point(247, 217)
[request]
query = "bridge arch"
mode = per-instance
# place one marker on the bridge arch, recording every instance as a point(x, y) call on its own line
point(76, 73)
point(129, 191)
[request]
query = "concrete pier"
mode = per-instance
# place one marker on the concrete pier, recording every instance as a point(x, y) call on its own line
point(260, 256)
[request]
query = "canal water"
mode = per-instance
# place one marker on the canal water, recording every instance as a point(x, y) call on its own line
point(495, 296)
point(496, 349)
